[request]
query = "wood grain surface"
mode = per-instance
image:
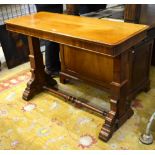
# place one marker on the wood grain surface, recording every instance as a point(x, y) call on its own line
point(100, 31)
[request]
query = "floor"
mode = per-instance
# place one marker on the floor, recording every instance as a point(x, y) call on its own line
point(47, 122)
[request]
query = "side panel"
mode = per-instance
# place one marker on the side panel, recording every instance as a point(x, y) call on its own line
point(139, 66)
point(87, 66)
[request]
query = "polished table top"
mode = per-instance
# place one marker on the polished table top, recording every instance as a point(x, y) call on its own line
point(95, 30)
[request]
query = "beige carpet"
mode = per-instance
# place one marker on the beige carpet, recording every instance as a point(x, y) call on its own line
point(47, 122)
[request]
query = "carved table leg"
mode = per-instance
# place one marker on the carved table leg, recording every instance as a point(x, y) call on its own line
point(120, 111)
point(38, 78)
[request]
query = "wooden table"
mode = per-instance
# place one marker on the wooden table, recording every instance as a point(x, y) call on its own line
point(99, 52)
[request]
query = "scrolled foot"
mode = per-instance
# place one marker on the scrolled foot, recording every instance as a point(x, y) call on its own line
point(29, 92)
point(109, 126)
point(35, 86)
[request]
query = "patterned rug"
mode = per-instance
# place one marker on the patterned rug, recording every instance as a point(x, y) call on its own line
point(47, 122)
